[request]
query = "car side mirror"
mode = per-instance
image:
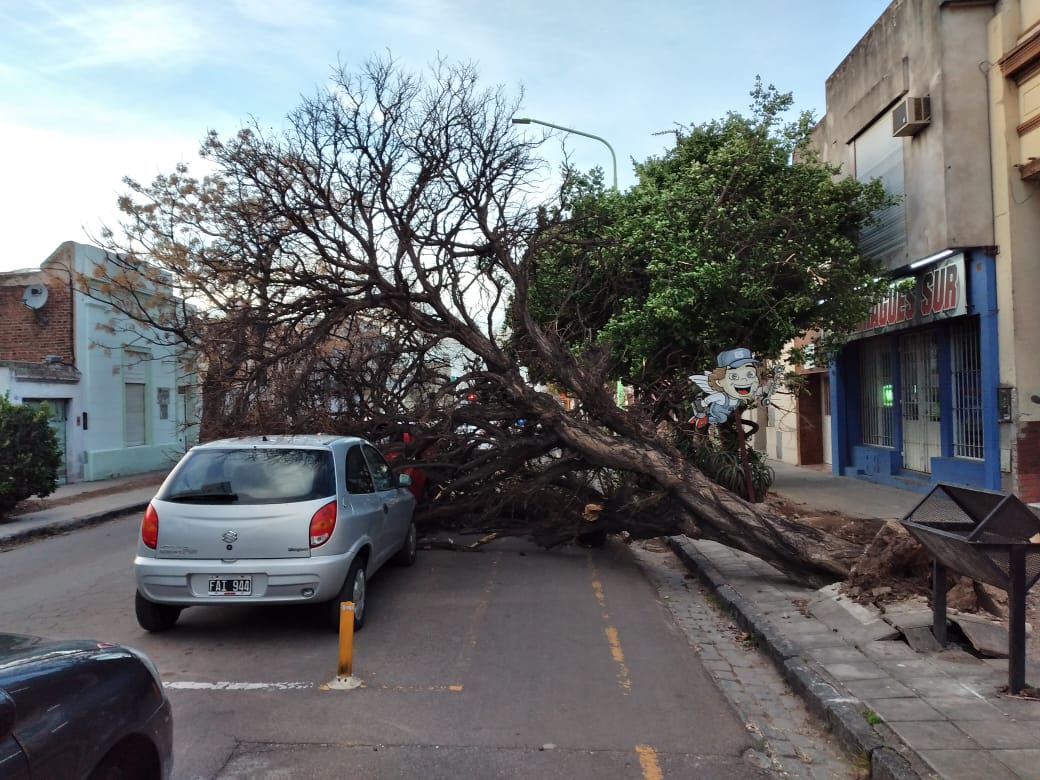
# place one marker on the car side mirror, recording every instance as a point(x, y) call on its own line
point(404, 480)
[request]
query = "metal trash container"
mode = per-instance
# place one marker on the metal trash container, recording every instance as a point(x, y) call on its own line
point(984, 535)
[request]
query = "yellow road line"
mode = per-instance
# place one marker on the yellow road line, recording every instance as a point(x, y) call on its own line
point(612, 633)
point(648, 762)
point(418, 688)
point(406, 688)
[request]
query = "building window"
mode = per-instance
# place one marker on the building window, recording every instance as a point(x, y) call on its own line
point(879, 155)
point(876, 392)
point(134, 364)
point(966, 371)
point(134, 415)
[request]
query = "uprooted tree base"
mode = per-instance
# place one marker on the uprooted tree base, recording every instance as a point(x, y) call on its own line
point(894, 568)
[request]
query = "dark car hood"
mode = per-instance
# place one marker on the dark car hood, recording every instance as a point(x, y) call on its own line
point(65, 703)
point(19, 650)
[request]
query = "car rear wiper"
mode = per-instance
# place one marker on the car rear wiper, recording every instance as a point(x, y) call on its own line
point(200, 495)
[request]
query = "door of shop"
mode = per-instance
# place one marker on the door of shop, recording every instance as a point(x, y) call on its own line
point(919, 383)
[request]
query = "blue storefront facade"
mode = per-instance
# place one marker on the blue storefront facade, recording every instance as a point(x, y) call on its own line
point(915, 395)
point(942, 383)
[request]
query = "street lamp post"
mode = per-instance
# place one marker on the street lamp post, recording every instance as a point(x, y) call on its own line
point(613, 158)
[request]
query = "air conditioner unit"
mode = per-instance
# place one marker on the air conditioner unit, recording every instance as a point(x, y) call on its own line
point(911, 115)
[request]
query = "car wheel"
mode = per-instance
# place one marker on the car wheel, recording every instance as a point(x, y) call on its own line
point(155, 617)
point(353, 589)
point(406, 555)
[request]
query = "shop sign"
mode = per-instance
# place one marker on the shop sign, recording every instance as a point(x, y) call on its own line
point(939, 292)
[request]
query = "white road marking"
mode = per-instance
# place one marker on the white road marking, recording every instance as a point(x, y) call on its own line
point(183, 685)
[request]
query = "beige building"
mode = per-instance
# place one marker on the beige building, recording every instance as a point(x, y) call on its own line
point(939, 100)
point(1014, 95)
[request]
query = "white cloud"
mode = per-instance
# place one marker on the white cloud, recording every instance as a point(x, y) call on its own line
point(65, 186)
point(121, 33)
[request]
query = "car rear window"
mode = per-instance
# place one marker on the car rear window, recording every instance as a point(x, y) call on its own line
point(253, 476)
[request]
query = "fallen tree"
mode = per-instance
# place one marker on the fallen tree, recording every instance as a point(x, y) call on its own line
point(384, 252)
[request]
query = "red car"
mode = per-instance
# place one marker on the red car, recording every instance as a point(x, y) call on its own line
point(392, 450)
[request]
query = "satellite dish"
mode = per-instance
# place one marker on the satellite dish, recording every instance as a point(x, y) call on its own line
point(35, 295)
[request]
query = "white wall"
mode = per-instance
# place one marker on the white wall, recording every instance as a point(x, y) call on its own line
point(102, 338)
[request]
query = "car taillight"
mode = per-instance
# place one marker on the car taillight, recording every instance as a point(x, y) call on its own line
point(150, 527)
point(322, 524)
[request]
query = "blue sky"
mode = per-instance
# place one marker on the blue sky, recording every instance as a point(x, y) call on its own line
point(93, 90)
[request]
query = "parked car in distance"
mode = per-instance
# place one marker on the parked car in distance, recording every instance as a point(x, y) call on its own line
point(75, 708)
point(272, 520)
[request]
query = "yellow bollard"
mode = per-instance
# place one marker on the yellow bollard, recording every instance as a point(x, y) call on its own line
point(346, 638)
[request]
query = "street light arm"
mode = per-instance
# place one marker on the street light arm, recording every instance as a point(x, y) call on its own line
point(613, 157)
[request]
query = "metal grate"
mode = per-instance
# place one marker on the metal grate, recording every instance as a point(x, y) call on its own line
point(989, 537)
point(966, 370)
point(971, 560)
point(940, 511)
point(876, 393)
point(919, 399)
point(973, 531)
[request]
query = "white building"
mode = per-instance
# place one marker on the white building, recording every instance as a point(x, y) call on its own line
point(122, 400)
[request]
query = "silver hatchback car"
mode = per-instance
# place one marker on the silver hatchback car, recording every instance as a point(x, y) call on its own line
point(272, 520)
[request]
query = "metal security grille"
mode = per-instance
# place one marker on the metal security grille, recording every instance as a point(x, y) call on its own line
point(919, 396)
point(966, 370)
point(876, 392)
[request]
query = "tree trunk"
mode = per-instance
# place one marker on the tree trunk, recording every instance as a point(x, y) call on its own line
point(628, 441)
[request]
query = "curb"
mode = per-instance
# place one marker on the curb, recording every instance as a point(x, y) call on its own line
point(837, 710)
point(55, 527)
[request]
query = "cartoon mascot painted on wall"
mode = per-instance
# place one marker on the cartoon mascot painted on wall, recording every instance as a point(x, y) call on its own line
point(737, 381)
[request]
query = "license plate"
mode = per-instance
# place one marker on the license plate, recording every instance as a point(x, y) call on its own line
point(239, 586)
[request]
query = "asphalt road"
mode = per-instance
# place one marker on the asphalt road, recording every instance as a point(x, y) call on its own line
point(511, 662)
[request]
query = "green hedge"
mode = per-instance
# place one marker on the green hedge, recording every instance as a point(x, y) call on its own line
point(29, 454)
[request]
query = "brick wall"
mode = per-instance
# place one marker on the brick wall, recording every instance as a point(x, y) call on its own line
point(28, 334)
point(1028, 462)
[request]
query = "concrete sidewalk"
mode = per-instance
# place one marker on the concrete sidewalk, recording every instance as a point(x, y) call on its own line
point(905, 714)
point(82, 504)
point(909, 714)
point(819, 488)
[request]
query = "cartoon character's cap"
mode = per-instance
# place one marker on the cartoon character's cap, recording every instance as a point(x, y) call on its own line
point(735, 358)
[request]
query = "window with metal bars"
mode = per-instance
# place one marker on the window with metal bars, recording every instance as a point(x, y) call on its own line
point(966, 375)
point(876, 396)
